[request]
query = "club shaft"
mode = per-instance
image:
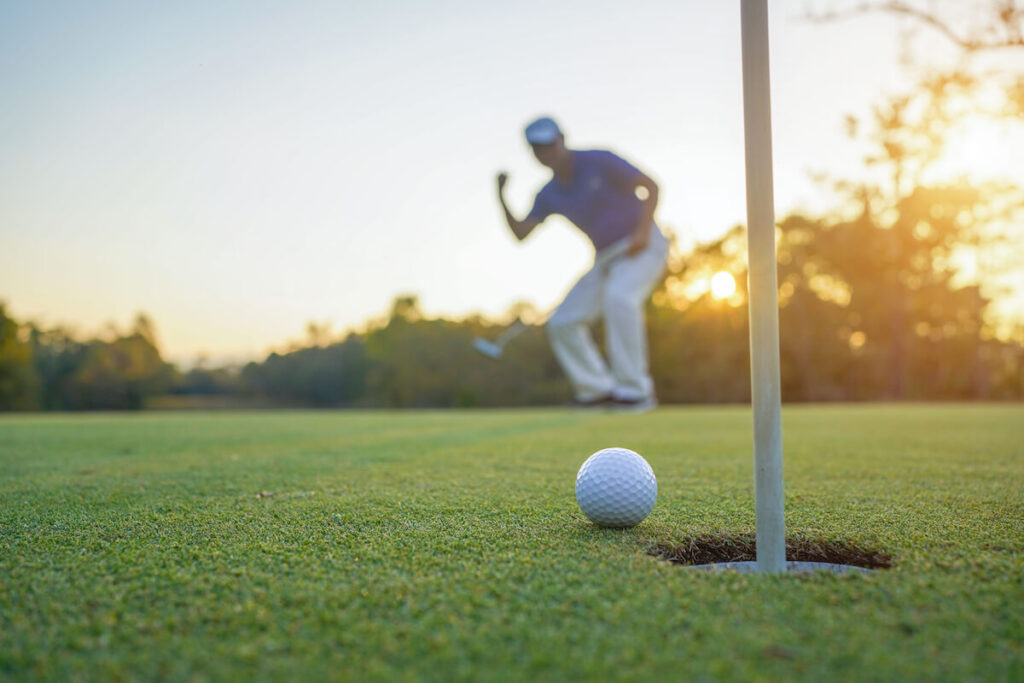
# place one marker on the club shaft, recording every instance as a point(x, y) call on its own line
point(511, 333)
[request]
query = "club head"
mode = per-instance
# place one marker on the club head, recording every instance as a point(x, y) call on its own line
point(489, 349)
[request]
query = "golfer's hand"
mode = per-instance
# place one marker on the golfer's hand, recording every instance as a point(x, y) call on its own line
point(502, 179)
point(638, 242)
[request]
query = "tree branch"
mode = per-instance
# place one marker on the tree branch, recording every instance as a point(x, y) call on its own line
point(1008, 16)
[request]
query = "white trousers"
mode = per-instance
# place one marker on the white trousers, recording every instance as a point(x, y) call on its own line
point(615, 289)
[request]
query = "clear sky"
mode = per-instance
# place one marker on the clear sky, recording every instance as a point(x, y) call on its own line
point(236, 169)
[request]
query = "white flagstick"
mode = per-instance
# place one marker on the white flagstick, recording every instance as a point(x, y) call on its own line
point(763, 296)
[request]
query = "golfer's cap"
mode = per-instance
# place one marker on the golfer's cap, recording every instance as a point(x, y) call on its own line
point(543, 131)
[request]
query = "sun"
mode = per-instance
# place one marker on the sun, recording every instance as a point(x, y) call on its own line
point(722, 285)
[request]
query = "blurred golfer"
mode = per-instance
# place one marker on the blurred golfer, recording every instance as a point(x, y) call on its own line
point(613, 204)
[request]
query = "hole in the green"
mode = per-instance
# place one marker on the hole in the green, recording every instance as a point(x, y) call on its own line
point(723, 547)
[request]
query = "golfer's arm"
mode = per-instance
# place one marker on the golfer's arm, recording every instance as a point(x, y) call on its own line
point(519, 228)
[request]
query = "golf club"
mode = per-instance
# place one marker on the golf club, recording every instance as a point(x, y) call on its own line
point(494, 349)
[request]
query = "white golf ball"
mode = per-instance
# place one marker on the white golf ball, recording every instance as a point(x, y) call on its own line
point(616, 488)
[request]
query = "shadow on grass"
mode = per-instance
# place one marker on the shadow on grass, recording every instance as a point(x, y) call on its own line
point(724, 547)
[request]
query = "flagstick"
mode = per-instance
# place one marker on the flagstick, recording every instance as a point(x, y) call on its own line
point(762, 285)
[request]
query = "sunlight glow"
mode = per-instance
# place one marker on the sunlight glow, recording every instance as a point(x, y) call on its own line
point(977, 150)
point(722, 285)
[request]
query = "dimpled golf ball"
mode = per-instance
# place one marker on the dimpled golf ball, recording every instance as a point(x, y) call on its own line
point(616, 488)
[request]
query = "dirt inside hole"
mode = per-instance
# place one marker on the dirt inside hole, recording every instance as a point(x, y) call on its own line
point(715, 548)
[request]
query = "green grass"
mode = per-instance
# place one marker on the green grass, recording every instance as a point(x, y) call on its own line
point(448, 546)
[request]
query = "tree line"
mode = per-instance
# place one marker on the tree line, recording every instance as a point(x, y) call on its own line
point(51, 369)
point(846, 335)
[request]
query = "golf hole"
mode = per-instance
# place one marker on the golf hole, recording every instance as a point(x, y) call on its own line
point(708, 549)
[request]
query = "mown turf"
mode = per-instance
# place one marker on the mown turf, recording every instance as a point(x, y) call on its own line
point(448, 546)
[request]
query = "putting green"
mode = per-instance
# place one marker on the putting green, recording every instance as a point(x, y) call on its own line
point(448, 545)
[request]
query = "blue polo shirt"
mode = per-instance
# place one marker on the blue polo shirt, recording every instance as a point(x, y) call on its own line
point(600, 199)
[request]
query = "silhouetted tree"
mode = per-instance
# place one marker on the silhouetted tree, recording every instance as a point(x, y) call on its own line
point(332, 375)
point(19, 384)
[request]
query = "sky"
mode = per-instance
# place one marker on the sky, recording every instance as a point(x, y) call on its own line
point(237, 169)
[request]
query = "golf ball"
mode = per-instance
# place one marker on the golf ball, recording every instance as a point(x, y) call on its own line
point(616, 488)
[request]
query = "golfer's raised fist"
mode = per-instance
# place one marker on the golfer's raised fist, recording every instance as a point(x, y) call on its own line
point(502, 179)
